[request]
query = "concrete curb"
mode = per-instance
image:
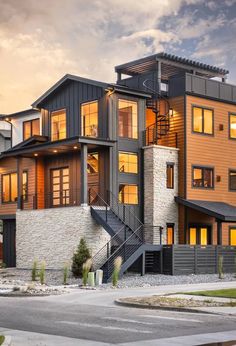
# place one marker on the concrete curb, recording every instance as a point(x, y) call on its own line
point(166, 308)
point(7, 341)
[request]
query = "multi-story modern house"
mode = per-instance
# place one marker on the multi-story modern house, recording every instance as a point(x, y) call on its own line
point(130, 166)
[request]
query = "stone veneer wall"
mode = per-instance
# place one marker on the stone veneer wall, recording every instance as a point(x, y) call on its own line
point(53, 235)
point(159, 205)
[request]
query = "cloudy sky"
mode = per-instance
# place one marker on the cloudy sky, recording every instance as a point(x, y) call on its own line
point(41, 40)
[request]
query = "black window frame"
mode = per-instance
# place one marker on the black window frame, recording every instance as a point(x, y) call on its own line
point(198, 226)
point(172, 226)
point(231, 171)
point(203, 123)
point(52, 114)
point(31, 128)
point(27, 185)
point(204, 168)
point(10, 201)
point(231, 228)
point(172, 166)
point(131, 100)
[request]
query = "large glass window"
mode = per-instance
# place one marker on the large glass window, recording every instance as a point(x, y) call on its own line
point(9, 187)
point(128, 194)
point(31, 128)
point(92, 163)
point(128, 118)
point(170, 175)
point(200, 235)
point(89, 119)
point(232, 180)
point(128, 162)
point(203, 177)
point(232, 126)
point(203, 120)
point(25, 185)
point(58, 125)
point(232, 235)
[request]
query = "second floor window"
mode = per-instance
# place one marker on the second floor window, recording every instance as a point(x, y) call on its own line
point(232, 180)
point(31, 128)
point(58, 125)
point(203, 177)
point(232, 126)
point(203, 120)
point(9, 187)
point(170, 175)
point(128, 194)
point(89, 119)
point(128, 162)
point(128, 119)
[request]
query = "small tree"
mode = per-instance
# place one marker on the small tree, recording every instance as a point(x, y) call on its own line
point(116, 270)
point(42, 273)
point(34, 271)
point(79, 258)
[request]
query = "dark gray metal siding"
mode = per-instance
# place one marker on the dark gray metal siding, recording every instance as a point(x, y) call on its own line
point(136, 82)
point(9, 243)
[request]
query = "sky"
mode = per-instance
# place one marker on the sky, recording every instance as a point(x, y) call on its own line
point(42, 40)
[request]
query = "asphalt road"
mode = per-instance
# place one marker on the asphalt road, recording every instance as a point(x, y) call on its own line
point(74, 316)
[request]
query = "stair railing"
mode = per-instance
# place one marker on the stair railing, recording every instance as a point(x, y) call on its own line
point(97, 202)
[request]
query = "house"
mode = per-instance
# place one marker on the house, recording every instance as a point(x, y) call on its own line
point(131, 166)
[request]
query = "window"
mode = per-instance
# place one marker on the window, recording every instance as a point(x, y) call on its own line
point(203, 120)
point(25, 186)
point(92, 163)
point(200, 235)
point(58, 125)
point(203, 177)
point(128, 162)
point(170, 175)
point(232, 235)
point(60, 187)
point(232, 126)
point(232, 180)
point(128, 119)
point(170, 235)
point(89, 120)
point(128, 194)
point(31, 128)
point(9, 187)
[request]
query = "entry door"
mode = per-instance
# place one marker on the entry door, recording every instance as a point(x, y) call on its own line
point(200, 235)
point(60, 187)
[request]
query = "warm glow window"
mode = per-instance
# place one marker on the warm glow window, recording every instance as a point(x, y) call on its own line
point(203, 120)
point(128, 162)
point(232, 240)
point(60, 187)
point(31, 128)
point(170, 176)
point(89, 119)
point(232, 126)
point(202, 177)
point(199, 235)
point(232, 180)
point(92, 163)
point(170, 234)
point(128, 194)
point(128, 119)
point(9, 187)
point(58, 125)
point(25, 185)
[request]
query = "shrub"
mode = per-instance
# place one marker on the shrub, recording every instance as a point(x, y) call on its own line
point(221, 273)
point(79, 258)
point(34, 271)
point(65, 273)
point(85, 270)
point(42, 273)
point(116, 271)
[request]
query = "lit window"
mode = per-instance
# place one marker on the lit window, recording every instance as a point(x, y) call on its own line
point(92, 163)
point(233, 236)
point(128, 119)
point(9, 187)
point(203, 177)
point(193, 236)
point(31, 128)
point(232, 180)
point(170, 234)
point(232, 125)
point(170, 176)
point(58, 125)
point(25, 185)
point(60, 186)
point(128, 162)
point(128, 194)
point(203, 120)
point(89, 119)
point(199, 235)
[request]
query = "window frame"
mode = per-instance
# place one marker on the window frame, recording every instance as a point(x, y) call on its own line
point(51, 116)
point(170, 164)
point(230, 230)
point(229, 130)
point(128, 184)
point(126, 99)
point(203, 121)
point(5, 174)
point(231, 170)
point(81, 116)
point(198, 227)
point(129, 153)
point(27, 185)
point(172, 226)
point(31, 128)
point(203, 168)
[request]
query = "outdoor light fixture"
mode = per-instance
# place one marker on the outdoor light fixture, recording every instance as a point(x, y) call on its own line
point(8, 119)
point(36, 154)
point(171, 112)
point(55, 151)
point(75, 147)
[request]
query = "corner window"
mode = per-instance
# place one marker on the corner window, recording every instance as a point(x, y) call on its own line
point(92, 163)
point(89, 119)
point(170, 234)
point(203, 177)
point(31, 128)
point(128, 118)
point(232, 236)
point(232, 180)
point(128, 162)
point(203, 120)
point(25, 186)
point(232, 126)
point(9, 187)
point(170, 175)
point(58, 125)
point(128, 194)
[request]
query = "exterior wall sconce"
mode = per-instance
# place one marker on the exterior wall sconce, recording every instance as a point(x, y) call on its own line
point(221, 127)
point(171, 112)
point(218, 178)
